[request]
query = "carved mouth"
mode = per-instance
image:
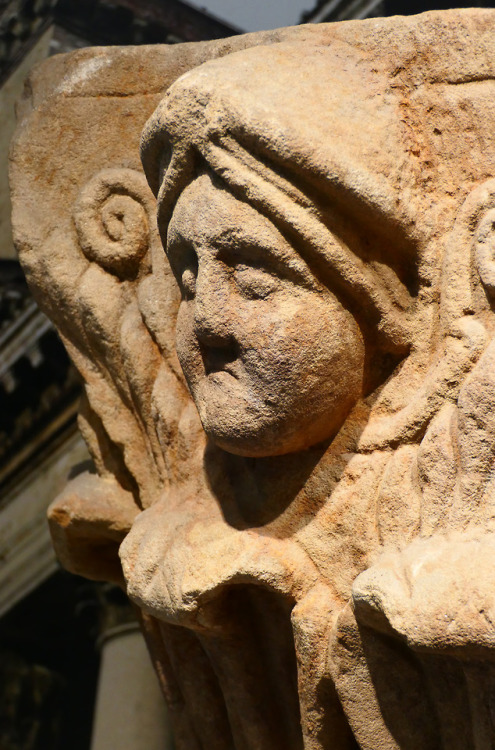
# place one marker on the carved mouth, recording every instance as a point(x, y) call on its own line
point(218, 359)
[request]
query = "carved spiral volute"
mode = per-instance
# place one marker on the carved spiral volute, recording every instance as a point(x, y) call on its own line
point(112, 217)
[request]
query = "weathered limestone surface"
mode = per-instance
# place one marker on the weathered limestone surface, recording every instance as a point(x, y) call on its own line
point(292, 410)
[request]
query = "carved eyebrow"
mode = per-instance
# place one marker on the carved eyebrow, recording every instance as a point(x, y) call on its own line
point(260, 256)
point(236, 244)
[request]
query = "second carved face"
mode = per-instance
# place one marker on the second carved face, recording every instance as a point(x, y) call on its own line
point(273, 360)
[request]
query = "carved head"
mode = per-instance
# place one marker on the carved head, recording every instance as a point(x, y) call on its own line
point(304, 236)
point(291, 264)
point(273, 359)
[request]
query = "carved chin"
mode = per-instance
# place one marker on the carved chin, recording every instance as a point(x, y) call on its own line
point(246, 425)
point(258, 443)
point(237, 424)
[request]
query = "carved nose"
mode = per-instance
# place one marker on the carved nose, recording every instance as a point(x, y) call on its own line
point(212, 324)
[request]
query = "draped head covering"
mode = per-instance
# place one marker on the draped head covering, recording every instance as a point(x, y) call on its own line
point(306, 137)
point(362, 156)
point(341, 153)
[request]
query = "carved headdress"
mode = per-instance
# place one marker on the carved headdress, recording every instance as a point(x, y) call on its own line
point(366, 192)
point(276, 129)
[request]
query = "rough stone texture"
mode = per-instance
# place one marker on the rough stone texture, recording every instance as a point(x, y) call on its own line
point(314, 567)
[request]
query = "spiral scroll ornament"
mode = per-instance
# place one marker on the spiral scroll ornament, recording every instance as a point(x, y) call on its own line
point(112, 218)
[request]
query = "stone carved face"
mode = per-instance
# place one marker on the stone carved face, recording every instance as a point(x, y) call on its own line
point(292, 253)
point(272, 358)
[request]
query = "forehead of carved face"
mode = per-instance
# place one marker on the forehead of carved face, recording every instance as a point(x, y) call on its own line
point(273, 360)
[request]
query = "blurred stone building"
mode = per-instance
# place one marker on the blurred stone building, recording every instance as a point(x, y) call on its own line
point(74, 672)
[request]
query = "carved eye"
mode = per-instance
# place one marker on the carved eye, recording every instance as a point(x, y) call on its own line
point(254, 282)
point(188, 282)
point(184, 263)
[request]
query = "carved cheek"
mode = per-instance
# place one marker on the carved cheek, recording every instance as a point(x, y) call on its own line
point(316, 339)
point(271, 335)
